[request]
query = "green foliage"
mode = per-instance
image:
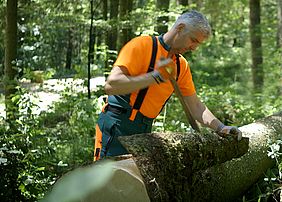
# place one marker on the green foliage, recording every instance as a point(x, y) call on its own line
point(45, 146)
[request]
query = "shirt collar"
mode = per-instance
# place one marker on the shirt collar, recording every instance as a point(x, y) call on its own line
point(161, 40)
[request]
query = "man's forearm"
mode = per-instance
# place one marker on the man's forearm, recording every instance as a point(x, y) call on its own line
point(201, 113)
point(209, 120)
point(119, 82)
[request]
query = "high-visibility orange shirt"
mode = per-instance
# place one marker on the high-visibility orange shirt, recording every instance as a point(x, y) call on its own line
point(135, 56)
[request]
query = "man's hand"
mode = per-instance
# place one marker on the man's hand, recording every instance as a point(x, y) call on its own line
point(229, 130)
point(165, 69)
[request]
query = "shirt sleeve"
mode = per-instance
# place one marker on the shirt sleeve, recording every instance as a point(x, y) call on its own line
point(185, 80)
point(134, 55)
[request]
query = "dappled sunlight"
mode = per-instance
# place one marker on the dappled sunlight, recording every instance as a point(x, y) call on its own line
point(44, 95)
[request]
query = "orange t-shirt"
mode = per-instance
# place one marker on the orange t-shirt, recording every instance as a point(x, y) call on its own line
point(136, 56)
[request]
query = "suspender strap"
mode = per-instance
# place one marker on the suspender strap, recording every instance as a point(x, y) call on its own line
point(142, 93)
point(178, 66)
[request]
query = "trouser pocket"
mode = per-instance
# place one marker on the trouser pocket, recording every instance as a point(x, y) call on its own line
point(110, 131)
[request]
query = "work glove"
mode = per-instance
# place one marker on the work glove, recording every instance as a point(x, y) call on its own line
point(224, 131)
point(165, 69)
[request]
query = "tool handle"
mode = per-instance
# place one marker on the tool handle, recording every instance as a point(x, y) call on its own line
point(187, 111)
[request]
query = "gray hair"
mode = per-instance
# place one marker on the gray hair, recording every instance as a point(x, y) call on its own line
point(196, 20)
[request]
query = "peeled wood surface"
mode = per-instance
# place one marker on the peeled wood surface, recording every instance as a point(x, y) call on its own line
point(167, 161)
point(104, 181)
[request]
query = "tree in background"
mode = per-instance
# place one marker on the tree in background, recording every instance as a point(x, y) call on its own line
point(10, 59)
point(255, 36)
point(2, 31)
point(279, 30)
point(183, 2)
point(113, 33)
point(112, 36)
point(124, 18)
point(162, 19)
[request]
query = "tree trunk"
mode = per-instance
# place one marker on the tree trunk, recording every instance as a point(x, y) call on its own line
point(255, 34)
point(173, 158)
point(229, 180)
point(10, 59)
point(199, 4)
point(124, 16)
point(162, 19)
point(113, 33)
point(105, 38)
point(183, 2)
point(175, 167)
point(279, 31)
point(69, 49)
point(90, 48)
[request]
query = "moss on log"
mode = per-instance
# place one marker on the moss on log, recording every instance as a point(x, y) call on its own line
point(167, 161)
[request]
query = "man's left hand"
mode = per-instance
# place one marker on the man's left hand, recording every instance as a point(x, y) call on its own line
point(230, 130)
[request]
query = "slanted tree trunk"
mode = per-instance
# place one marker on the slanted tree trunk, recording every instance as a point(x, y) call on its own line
point(10, 71)
point(162, 19)
point(255, 34)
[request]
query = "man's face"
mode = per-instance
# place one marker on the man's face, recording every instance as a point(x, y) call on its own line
point(187, 41)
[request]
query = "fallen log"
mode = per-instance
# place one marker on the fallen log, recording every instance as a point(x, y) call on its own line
point(104, 181)
point(174, 172)
point(167, 160)
point(227, 181)
point(221, 182)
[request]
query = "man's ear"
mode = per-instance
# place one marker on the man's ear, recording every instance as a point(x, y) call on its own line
point(180, 27)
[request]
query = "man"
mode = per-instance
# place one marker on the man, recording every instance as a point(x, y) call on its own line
point(137, 92)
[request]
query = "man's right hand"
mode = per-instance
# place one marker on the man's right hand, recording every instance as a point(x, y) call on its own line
point(165, 69)
point(229, 130)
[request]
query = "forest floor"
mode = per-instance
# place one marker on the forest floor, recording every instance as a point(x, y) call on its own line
point(48, 92)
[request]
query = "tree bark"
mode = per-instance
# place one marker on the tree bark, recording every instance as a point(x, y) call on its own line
point(255, 34)
point(10, 70)
point(171, 159)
